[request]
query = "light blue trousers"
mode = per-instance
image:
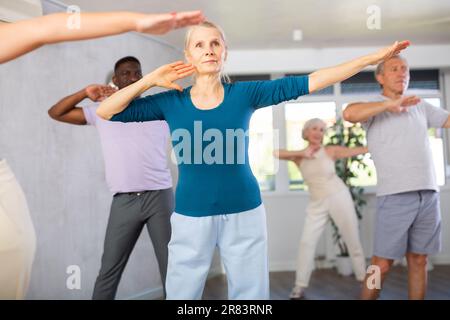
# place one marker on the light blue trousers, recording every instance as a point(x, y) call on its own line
point(242, 242)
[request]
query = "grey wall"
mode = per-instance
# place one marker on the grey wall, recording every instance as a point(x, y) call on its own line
point(60, 166)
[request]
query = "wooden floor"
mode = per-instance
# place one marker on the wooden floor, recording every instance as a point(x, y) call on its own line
point(326, 284)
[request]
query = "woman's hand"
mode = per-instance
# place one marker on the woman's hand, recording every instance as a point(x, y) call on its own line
point(328, 76)
point(163, 23)
point(98, 92)
point(165, 75)
point(389, 52)
point(402, 104)
point(310, 151)
point(23, 36)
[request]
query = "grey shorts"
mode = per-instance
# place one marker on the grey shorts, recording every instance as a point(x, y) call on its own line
point(407, 222)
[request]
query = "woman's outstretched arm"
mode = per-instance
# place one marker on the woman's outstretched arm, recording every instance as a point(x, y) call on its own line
point(341, 152)
point(24, 36)
point(296, 155)
point(328, 76)
point(162, 77)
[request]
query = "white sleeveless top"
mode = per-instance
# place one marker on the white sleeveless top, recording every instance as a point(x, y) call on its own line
point(320, 175)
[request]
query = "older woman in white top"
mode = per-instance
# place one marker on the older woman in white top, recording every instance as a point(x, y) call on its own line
point(329, 197)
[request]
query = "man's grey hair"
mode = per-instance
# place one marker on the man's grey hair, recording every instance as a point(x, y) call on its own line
point(380, 66)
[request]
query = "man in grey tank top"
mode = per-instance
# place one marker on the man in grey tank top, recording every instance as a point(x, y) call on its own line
point(408, 221)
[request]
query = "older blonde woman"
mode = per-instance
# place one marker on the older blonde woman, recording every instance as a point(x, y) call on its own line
point(218, 202)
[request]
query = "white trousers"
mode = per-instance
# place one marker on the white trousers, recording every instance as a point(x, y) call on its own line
point(341, 209)
point(17, 237)
point(242, 242)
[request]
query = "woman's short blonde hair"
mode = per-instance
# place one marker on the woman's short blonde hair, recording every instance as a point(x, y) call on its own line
point(310, 123)
point(204, 24)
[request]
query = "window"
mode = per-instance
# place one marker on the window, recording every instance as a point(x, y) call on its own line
point(261, 140)
point(260, 150)
point(361, 83)
point(424, 80)
point(249, 77)
point(325, 91)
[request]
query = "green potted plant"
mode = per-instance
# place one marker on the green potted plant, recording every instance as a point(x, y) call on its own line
point(348, 170)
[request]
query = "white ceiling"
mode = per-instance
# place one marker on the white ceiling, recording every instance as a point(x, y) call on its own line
point(264, 24)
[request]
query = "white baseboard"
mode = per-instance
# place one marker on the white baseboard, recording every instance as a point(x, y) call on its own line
point(440, 259)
